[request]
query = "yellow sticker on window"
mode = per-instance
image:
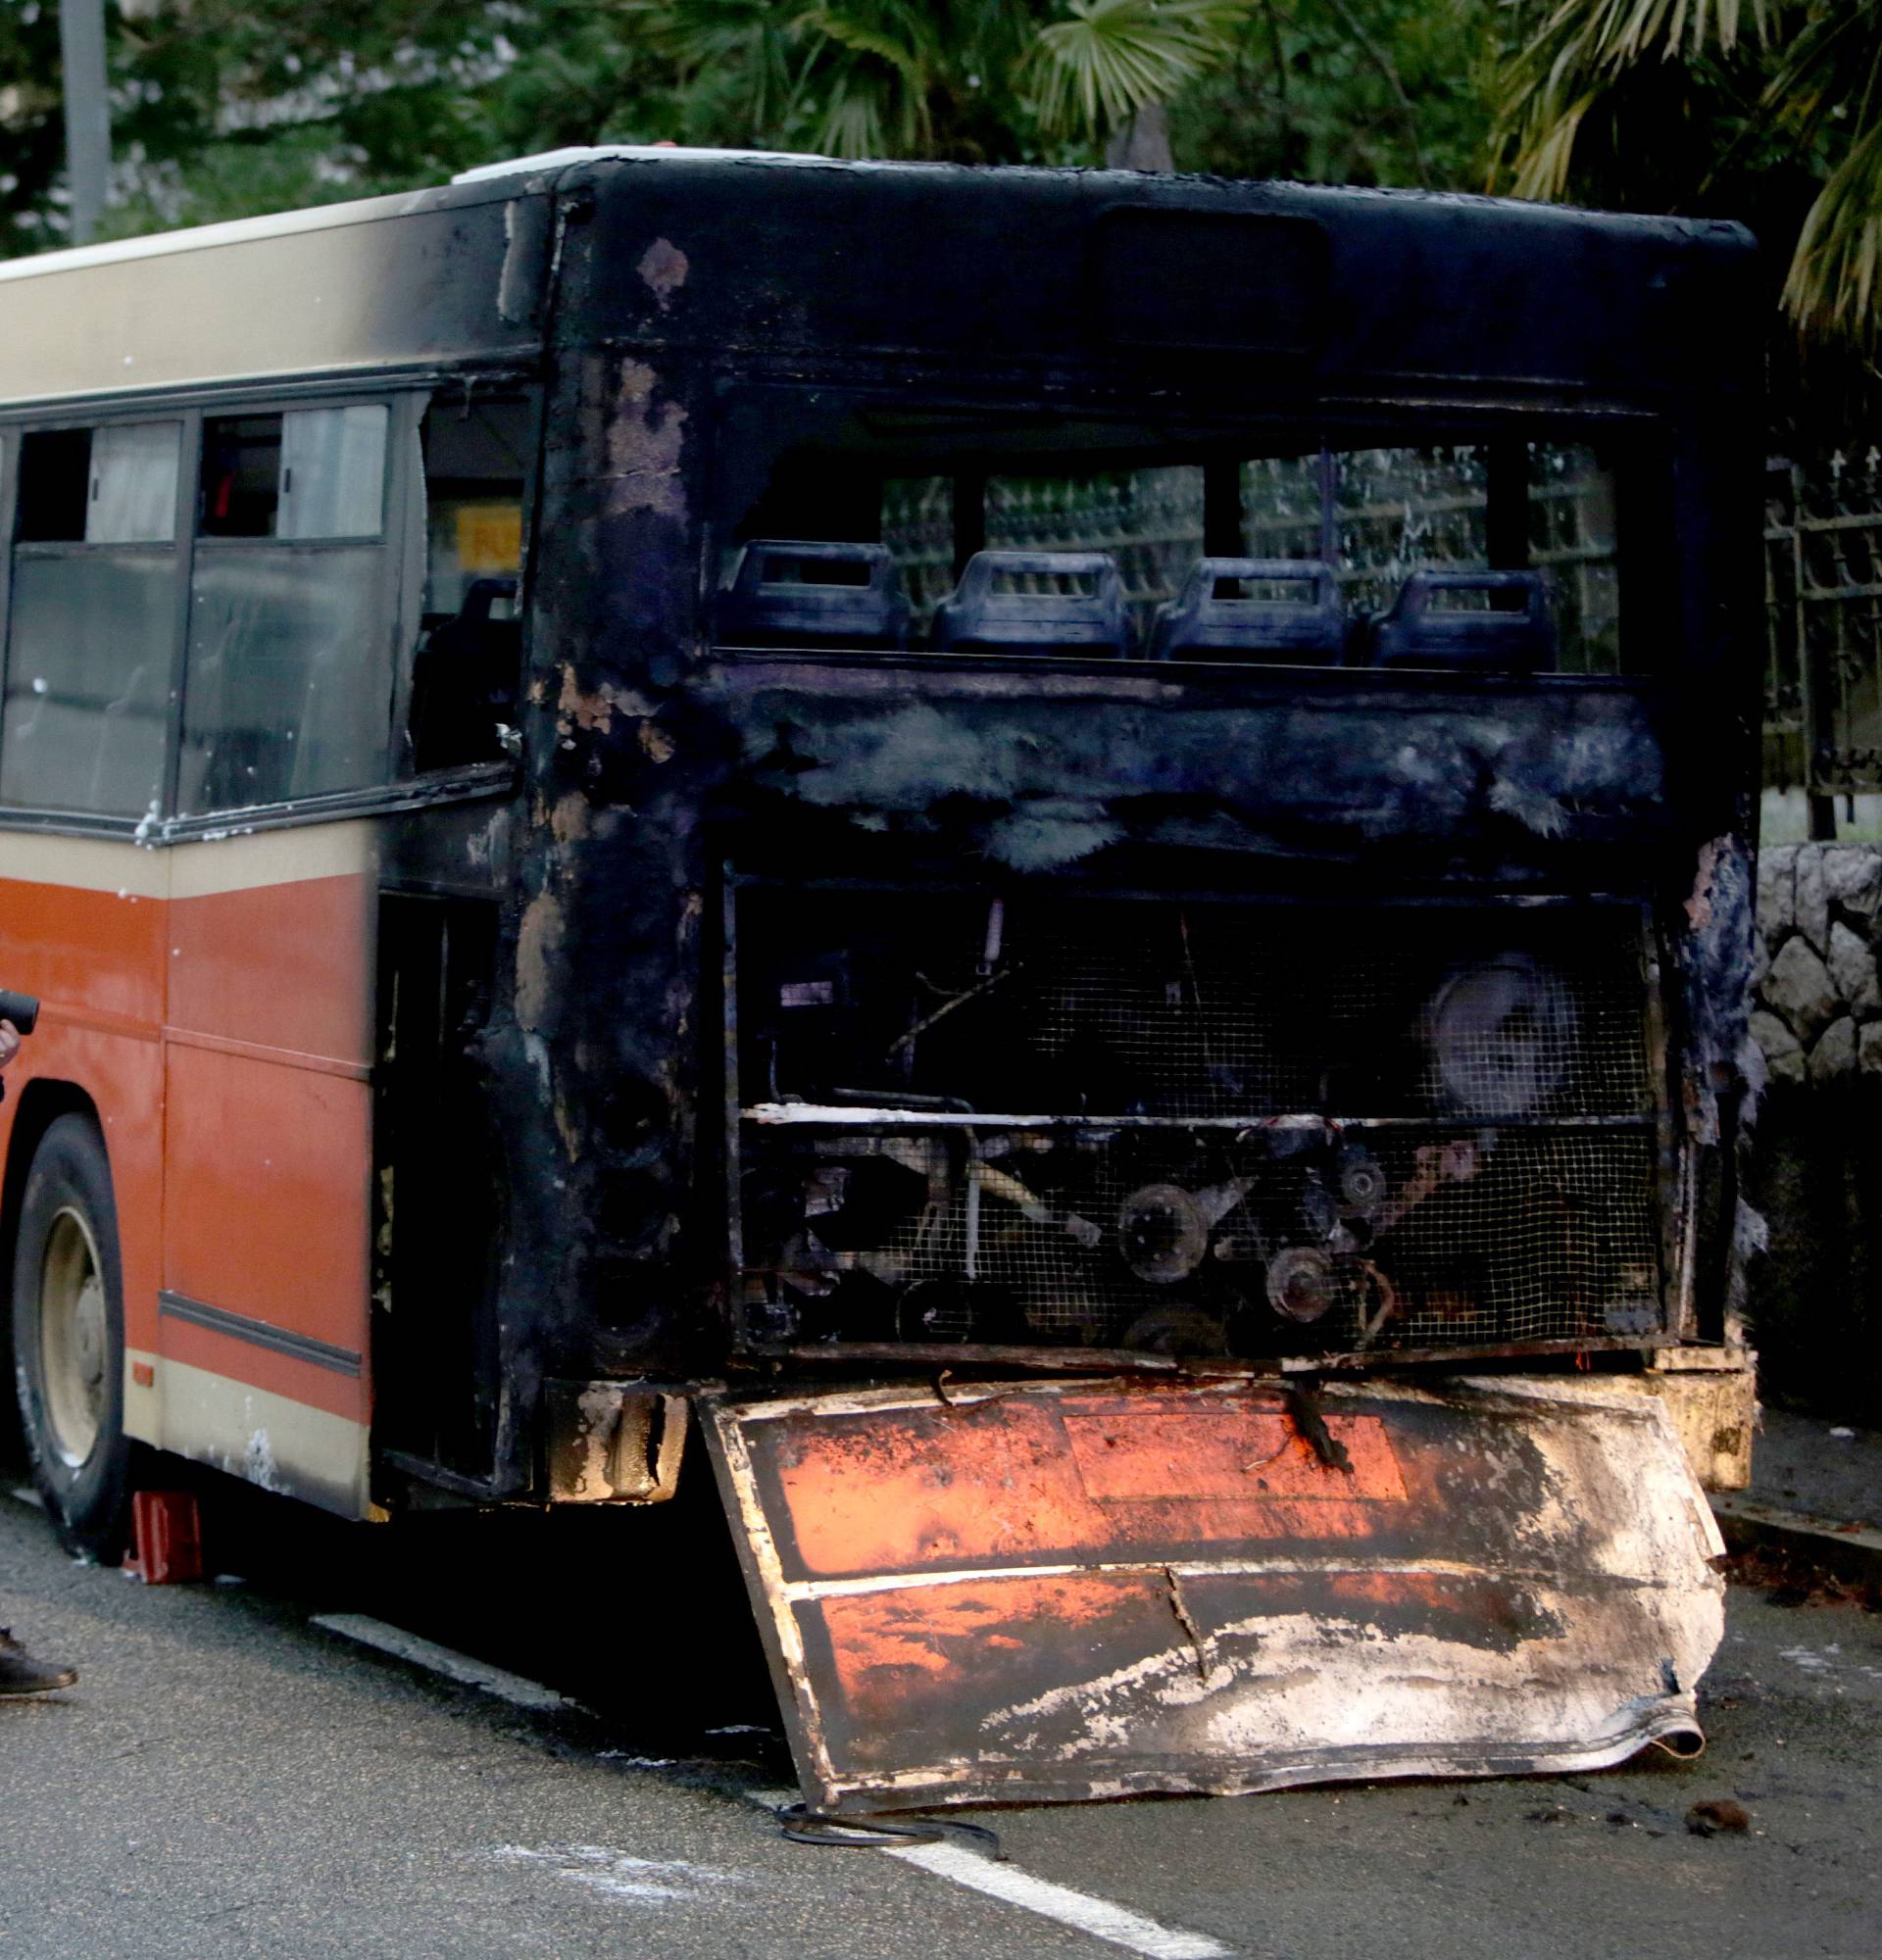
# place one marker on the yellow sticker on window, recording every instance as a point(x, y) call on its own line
point(489, 537)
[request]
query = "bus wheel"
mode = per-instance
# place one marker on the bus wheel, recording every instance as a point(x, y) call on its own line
point(69, 1339)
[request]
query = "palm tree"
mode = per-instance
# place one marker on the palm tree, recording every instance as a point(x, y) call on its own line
point(1779, 85)
point(960, 79)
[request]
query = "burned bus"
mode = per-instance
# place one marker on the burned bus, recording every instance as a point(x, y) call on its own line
point(1050, 869)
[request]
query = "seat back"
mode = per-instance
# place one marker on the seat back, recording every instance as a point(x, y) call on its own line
point(1035, 603)
point(1253, 609)
point(1508, 628)
point(788, 592)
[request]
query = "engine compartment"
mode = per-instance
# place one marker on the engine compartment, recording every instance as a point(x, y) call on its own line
point(1195, 1126)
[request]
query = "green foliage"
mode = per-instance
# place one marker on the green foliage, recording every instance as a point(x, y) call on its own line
point(1393, 93)
point(1111, 58)
point(1768, 110)
point(225, 108)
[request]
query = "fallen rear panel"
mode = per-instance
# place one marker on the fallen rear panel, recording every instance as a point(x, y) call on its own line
point(1049, 1589)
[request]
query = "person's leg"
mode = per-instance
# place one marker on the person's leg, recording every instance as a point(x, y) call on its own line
point(20, 1674)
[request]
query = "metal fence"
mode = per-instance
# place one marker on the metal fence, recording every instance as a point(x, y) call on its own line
point(1824, 618)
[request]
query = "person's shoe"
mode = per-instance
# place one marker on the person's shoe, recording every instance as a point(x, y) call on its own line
point(20, 1674)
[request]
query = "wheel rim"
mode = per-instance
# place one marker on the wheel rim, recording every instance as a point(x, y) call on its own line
point(74, 1336)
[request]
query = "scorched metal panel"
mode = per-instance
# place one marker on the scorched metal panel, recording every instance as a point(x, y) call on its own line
point(1075, 1589)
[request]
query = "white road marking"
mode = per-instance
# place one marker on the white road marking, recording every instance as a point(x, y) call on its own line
point(28, 1495)
point(621, 1875)
point(1009, 1883)
point(1098, 1917)
point(512, 1687)
point(624, 1877)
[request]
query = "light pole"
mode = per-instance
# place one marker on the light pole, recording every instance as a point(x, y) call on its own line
point(81, 51)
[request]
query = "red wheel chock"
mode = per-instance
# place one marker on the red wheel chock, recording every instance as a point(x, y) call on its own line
point(167, 1538)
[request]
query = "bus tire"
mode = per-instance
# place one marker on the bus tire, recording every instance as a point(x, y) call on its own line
point(69, 1339)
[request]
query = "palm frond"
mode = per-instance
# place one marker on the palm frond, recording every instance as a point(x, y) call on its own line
point(751, 39)
point(1834, 288)
point(895, 35)
point(1542, 169)
point(875, 63)
point(1830, 68)
point(1111, 58)
point(1582, 52)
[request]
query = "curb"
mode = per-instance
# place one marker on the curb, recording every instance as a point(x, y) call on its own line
point(1848, 1551)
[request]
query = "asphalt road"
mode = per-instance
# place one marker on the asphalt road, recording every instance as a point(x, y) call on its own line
point(228, 1779)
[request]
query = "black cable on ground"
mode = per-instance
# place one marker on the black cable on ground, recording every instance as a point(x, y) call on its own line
point(802, 1824)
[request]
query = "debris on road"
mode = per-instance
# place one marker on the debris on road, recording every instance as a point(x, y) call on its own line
point(1717, 1815)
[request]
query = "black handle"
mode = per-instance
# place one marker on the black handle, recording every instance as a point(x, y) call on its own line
point(22, 1010)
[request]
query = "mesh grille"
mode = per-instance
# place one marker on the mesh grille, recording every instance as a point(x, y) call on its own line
point(1408, 1241)
point(1278, 1128)
point(1213, 1012)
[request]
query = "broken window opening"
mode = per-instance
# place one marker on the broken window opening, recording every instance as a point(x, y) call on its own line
point(1180, 522)
point(467, 667)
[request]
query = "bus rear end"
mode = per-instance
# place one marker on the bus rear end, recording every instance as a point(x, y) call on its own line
point(1188, 807)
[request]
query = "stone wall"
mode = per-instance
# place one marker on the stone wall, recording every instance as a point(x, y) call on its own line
point(1819, 1012)
point(1815, 1166)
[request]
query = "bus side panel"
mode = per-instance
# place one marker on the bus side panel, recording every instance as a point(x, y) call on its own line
point(83, 926)
point(268, 1210)
point(261, 1215)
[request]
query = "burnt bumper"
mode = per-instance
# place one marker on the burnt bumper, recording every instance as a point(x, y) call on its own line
point(1082, 1589)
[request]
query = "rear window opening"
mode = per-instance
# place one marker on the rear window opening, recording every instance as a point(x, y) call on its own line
point(1198, 541)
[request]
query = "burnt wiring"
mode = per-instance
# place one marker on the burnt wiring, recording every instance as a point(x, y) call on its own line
point(799, 1824)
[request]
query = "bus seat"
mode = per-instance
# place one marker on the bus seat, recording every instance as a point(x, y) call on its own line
point(464, 681)
point(787, 592)
point(1505, 623)
point(1213, 619)
point(1077, 606)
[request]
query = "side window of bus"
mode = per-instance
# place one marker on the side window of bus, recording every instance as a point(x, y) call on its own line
point(466, 673)
point(93, 618)
point(289, 684)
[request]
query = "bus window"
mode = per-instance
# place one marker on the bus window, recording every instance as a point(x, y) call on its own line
point(464, 678)
point(1572, 534)
point(476, 456)
point(332, 471)
point(1402, 510)
point(917, 526)
point(93, 627)
point(1149, 521)
point(1409, 534)
point(133, 485)
point(307, 473)
point(55, 486)
point(288, 687)
point(1283, 506)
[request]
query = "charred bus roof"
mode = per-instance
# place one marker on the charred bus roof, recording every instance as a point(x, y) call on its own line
point(1280, 288)
point(1264, 291)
